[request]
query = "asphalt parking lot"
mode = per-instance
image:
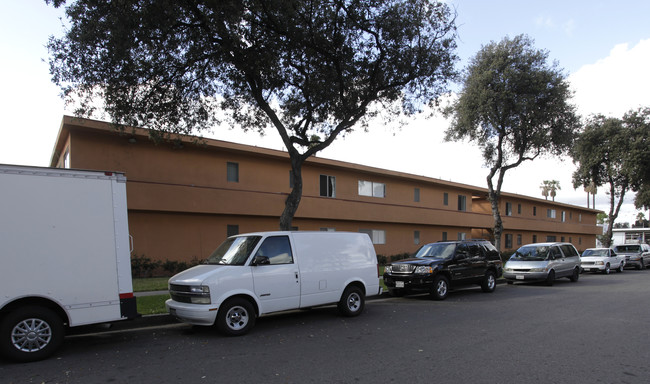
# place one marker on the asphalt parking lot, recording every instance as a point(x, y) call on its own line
point(592, 331)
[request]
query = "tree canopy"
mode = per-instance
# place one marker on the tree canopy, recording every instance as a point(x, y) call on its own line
point(515, 105)
point(614, 152)
point(311, 69)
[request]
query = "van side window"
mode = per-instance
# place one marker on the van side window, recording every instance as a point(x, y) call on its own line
point(277, 249)
point(568, 250)
point(555, 252)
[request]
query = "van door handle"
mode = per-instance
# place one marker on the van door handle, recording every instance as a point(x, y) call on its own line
point(296, 275)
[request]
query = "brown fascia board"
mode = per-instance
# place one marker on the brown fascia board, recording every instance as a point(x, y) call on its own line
point(69, 122)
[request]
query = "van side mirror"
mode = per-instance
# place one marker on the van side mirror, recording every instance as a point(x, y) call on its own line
point(261, 260)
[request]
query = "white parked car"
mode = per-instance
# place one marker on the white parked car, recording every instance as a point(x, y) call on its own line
point(601, 260)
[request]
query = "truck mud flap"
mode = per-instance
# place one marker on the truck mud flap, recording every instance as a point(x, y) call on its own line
point(128, 307)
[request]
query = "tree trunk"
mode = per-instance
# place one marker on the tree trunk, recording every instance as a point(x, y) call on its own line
point(614, 209)
point(293, 200)
point(498, 223)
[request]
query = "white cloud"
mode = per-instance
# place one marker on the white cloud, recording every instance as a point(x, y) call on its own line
point(615, 84)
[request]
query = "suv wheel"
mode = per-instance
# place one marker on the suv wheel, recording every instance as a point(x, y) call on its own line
point(489, 282)
point(440, 288)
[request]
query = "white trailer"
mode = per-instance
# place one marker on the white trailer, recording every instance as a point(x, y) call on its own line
point(64, 256)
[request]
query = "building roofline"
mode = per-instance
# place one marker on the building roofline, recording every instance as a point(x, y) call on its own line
point(69, 122)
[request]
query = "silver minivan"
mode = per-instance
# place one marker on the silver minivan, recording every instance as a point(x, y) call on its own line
point(543, 262)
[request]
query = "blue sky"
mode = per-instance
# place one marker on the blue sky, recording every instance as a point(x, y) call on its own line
point(603, 46)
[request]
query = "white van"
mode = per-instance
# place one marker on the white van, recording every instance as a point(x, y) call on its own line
point(254, 274)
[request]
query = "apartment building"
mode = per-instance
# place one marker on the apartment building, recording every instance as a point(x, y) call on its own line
point(186, 196)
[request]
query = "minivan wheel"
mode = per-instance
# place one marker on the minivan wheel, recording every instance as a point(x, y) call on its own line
point(236, 317)
point(550, 278)
point(352, 302)
point(489, 282)
point(30, 334)
point(440, 288)
point(576, 275)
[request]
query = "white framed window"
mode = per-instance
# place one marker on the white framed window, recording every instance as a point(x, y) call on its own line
point(378, 236)
point(371, 188)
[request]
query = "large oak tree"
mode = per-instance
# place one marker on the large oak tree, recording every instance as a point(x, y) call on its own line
point(616, 153)
point(515, 105)
point(311, 69)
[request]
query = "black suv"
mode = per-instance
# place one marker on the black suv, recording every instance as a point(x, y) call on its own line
point(436, 267)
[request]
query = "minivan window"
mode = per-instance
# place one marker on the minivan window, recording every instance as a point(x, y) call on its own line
point(436, 250)
point(234, 251)
point(568, 250)
point(532, 253)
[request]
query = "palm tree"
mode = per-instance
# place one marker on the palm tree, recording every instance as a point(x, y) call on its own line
point(545, 189)
point(554, 185)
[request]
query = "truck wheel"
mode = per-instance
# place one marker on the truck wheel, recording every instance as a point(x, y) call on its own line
point(620, 268)
point(440, 288)
point(30, 334)
point(607, 269)
point(236, 317)
point(352, 302)
point(489, 282)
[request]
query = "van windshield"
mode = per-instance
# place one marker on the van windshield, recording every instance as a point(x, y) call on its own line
point(436, 250)
point(234, 251)
point(531, 253)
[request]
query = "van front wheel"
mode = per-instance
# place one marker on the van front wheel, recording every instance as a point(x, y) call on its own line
point(352, 302)
point(236, 317)
point(31, 334)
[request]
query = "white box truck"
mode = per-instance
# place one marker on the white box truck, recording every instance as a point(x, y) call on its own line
point(64, 256)
point(254, 274)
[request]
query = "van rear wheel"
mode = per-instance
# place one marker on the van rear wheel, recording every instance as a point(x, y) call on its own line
point(236, 317)
point(30, 334)
point(352, 302)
